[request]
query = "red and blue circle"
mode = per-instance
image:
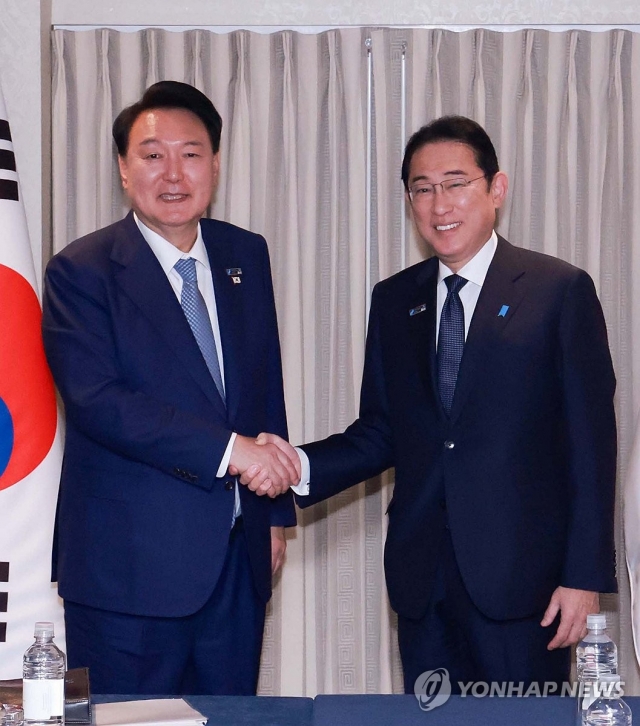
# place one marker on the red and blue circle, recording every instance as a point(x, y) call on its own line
point(28, 414)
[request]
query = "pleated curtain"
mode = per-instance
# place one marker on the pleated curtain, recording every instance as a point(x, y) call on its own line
point(314, 130)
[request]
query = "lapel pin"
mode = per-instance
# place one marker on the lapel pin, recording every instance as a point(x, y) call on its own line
point(235, 274)
point(419, 309)
point(503, 311)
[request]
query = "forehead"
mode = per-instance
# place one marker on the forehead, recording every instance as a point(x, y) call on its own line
point(167, 125)
point(442, 158)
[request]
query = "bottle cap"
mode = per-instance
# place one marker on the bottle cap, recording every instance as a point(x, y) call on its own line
point(596, 621)
point(44, 629)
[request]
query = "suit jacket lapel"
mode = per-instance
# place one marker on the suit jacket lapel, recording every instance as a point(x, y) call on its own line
point(501, 294)
point(422, 326)
point(229, 305)
point(143, 280)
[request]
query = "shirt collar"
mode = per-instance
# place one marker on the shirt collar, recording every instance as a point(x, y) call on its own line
point(476, 269)
point(169, 254)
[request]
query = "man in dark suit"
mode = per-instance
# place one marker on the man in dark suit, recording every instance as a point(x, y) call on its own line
point(488, 384)
point(161, 334)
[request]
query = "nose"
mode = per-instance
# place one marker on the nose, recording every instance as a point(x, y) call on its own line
point(441, 201)
point(173, 169)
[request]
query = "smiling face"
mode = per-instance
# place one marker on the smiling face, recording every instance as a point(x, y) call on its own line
point(169, 173)
point(457, 223)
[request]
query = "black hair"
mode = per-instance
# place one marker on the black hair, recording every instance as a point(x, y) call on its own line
point(168, 94)
point(454, 128)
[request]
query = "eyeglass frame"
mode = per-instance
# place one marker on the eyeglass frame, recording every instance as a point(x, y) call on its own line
point(441, 184)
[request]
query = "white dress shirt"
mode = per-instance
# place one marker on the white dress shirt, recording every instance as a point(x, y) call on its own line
point(475, 271)
point(168, 255)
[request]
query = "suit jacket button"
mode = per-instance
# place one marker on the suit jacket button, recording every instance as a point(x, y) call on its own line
point(229, 484)
point(449, 445)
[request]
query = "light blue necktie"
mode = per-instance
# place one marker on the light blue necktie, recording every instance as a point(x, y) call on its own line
point(195, 310)
point(450, 340)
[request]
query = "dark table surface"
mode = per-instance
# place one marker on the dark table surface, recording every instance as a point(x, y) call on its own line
point(457, 711)
point(371, 710)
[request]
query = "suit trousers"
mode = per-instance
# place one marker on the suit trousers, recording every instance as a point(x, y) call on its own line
point(215, 651)
point(455, 635)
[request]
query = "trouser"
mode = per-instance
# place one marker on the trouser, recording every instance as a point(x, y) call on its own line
point(214, 651)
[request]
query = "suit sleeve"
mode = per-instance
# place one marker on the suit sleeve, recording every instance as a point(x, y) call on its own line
point(82, 352)
point(365, 448)
point(590, 434)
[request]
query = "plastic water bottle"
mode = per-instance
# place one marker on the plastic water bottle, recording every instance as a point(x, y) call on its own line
point(11, 716)
point(596, 656)
point(609, 709)
point(43, 670)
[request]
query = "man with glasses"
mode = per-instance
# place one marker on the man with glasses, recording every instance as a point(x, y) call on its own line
point(488, 385)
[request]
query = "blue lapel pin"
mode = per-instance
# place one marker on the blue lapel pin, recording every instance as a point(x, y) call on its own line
point(503, 311)
point(419, 309)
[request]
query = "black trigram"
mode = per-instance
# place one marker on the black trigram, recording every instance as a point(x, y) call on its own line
point(4, 600)
point(8, 187)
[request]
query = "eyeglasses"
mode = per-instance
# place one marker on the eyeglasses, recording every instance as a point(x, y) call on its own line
point(425, 191)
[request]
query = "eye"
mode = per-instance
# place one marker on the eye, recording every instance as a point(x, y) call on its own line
point(192, 155)
point(457, 184)
point(423, 190)
point(153, 155)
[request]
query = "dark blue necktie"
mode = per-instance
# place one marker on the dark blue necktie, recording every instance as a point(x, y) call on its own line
point(450, 340)
point(195, 310)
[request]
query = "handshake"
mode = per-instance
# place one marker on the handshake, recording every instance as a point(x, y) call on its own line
point(267, 465)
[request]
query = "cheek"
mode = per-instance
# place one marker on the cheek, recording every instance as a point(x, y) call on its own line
point(422, 218)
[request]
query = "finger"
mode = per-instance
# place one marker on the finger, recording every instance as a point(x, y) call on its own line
point(233, 470)
point(576, 634)
point(277, 561)
point(267, 487)
point(550, 613)
point(560, 639)
point(281, 472)
point(249, 475)
point(290, 472)
point(264, 438)
point(258, 480)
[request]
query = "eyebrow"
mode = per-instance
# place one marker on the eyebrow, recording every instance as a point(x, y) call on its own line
point(452, 173)
point(154, 140)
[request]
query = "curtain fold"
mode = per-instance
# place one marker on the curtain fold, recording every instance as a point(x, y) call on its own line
point(562, 109)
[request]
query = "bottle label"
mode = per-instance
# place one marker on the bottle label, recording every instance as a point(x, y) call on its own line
point(43, 698)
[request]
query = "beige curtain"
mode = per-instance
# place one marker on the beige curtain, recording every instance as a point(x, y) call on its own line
point(296, 167)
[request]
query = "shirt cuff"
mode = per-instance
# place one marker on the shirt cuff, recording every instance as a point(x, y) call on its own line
point(302, 489)
point(224, 464)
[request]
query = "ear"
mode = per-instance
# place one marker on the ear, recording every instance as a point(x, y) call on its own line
point(122, 166)
point(216, 165)
point(499, 188)
point(407, 201)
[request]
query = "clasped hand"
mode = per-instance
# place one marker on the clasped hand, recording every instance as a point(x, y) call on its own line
point(266, 465)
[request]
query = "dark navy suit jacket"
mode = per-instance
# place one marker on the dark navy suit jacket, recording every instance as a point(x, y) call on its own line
point(143, 522)
point(523, 471)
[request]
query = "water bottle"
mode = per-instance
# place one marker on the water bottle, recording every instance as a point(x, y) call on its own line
point(11, 716)
point(596, 656)
point(609, 709)
point(43, 670)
